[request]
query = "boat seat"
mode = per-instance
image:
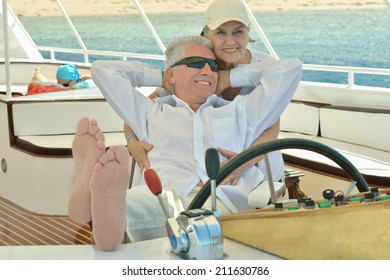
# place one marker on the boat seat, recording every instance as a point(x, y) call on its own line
point(357, 133)
point(47, 128)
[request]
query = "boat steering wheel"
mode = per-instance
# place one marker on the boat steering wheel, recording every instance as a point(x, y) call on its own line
point(279, 144)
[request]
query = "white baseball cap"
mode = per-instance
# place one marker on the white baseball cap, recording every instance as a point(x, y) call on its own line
point(221, 11)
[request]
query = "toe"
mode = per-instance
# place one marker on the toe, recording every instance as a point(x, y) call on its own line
point(122, 154)
point(82, 126)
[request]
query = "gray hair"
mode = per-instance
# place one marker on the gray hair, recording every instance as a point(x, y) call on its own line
point(175, 49)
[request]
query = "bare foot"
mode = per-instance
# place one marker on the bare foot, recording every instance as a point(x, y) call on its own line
point(88, 146)
point(38, 76)
point(109, 184)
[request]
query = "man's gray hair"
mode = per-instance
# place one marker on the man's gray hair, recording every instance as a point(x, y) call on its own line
point(175, 49)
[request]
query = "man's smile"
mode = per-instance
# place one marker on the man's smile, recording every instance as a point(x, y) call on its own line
point(206, 83)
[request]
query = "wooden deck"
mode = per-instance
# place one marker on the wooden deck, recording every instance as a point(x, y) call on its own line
point(21, 227)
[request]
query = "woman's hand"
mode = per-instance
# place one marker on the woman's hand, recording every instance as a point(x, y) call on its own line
point(233, 177)
point(139, 151)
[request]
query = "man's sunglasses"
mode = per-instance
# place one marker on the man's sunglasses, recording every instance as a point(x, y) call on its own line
point(198, 62)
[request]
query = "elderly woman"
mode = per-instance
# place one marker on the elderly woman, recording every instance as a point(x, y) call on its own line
point(226, 25)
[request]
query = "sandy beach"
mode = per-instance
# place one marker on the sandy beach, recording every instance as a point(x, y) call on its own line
point(113, 7)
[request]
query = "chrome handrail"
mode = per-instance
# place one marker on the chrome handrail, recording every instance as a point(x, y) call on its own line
point(123, 55)
point(351, 71)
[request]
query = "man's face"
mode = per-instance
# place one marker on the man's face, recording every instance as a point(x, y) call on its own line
point(194, 85)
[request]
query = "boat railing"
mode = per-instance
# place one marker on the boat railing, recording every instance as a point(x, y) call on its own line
point(86, 53)
point(349, 70)
point(124, 56)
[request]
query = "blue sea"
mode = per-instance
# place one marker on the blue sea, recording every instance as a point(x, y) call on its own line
point(329, 37)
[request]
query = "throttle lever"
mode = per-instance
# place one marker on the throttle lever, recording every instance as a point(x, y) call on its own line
point(155, 186)
point(212, 169)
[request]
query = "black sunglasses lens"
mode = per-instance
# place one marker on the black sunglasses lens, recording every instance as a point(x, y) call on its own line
point(201, 63)
point(213, 65)
point(198, 62)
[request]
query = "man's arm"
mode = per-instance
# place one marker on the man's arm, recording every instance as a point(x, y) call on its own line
point(275, 83)
point(117, 80)
point(139, 149)
point(223, 81)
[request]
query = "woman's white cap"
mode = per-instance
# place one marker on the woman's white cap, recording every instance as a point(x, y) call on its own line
point(221, 11)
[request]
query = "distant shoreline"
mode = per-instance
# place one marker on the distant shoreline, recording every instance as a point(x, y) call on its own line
point(123, 7)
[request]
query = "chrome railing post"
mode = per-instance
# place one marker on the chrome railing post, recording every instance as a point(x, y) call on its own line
point(150, 26)
point(74, 30)
point(260, 31)
point(351, 78)
point(6, 49)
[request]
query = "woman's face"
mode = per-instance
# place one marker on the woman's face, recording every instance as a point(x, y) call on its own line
point(229, 42)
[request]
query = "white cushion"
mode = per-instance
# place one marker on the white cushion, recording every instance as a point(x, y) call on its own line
point(357, 127)
point(49, 118)
point(302, 118)
point(367, 160)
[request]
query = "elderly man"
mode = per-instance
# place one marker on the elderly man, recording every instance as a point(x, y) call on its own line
point(182, 127)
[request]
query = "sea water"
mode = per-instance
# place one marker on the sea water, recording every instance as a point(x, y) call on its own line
point(353, 37)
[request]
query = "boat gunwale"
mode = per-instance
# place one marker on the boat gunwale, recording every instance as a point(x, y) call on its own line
point(30, 148)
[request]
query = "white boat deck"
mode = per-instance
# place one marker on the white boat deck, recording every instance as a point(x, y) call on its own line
point(156, 249)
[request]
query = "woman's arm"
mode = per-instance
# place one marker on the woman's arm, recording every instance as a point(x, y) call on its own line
point(136, 148)
point(268, 135)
